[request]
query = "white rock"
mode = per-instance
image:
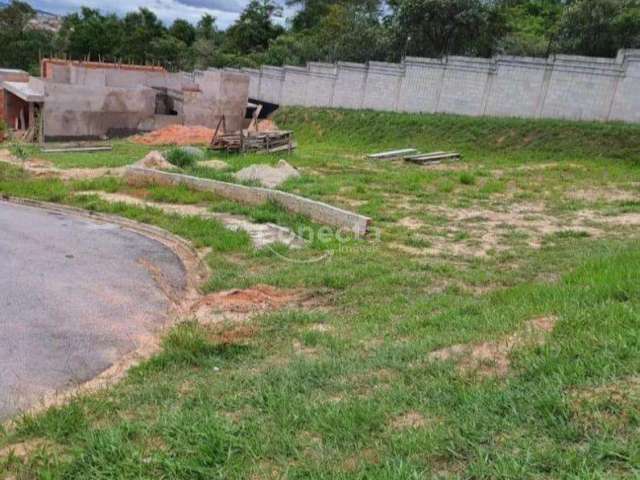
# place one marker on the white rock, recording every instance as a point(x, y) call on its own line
point(267, 175)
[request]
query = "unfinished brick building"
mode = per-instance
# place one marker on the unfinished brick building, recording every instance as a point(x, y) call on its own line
point(86, 100)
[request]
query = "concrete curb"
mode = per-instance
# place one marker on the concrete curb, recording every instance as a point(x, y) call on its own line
point(317, 211)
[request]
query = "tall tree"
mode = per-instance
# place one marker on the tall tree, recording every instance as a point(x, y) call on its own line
point(433, 28)
point(183, 31)
point(599, 27)
point(255, 28)
point(90, 34)
point(532, 25)
point(20, 44)
point(312, 12)
point(139, 30)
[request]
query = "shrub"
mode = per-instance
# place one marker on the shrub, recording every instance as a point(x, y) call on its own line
point(181, 158)
point(467, 178)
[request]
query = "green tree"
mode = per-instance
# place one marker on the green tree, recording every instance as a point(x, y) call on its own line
point(312, 12)
point(432, 28)
point(207, 28)
point(599, 27)
point(90, 34)
point(140, 29)
point(354, 33)
point(20, 44)
point(532, 25)
point(183, 31)
point(171, 53)
point(254, 29)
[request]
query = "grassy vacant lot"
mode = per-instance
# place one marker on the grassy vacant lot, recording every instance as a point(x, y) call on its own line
point(524, 257)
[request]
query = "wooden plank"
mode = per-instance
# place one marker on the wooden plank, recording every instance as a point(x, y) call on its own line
point(432, 157)
point(391, 154)
point(426, 155)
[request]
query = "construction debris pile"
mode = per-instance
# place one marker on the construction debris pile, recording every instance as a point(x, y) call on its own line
point(412, 155)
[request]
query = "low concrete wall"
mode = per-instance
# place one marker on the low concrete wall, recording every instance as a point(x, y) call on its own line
point(83, 111)
point(317, 211)
point(561, 86)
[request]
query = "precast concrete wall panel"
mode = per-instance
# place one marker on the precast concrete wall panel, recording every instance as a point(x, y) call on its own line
point(517, 87)
point(348, 91)
point(561, 86)
point(382, 86)
point(294, 89)
point(464, 86)
point(581, 88)
point(625, 104)
point(254, 81)
point(421, 85)
point(322, 78)
point(271, 84)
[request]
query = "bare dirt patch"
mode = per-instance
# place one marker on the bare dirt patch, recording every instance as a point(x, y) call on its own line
point(24, 449)
point(239, 304)
point(550, 166)
point(603, 195)
point(611, 406)
point(235, 335)
point(410, 223)
point(409, 420)
point(368, 456)
point(493, 358)
point(476, 231)
point(45, 168)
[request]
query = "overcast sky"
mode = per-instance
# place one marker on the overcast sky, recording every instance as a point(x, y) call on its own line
point(226, 11)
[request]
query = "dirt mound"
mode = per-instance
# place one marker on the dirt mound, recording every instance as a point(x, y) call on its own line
point(492, 358)
point(155, 160)
point(176, 135)
point(267, 175)
point(236, 304)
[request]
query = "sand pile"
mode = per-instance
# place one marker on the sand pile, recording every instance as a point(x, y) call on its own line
point(176, 135)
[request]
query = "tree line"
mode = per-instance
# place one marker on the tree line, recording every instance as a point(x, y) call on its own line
point(328, 30)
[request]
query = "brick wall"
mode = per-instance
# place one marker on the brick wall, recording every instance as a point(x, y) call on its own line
point(2, 106)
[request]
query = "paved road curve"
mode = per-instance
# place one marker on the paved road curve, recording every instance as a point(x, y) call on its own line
point(74, 296)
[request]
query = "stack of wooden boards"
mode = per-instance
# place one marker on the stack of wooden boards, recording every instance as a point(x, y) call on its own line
point(256, 142)
point(412, 155)
point(251, 139)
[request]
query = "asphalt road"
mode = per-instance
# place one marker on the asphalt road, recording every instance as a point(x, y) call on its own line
point(74, 297)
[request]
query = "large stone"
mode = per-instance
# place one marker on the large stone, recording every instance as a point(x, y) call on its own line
point(267, 175)
point(154, 159)
point(214, 164)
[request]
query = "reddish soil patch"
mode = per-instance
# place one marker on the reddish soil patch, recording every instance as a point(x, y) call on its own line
point(236, 335)
point(267, 125)
point(176, 135)
point(237, 304)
